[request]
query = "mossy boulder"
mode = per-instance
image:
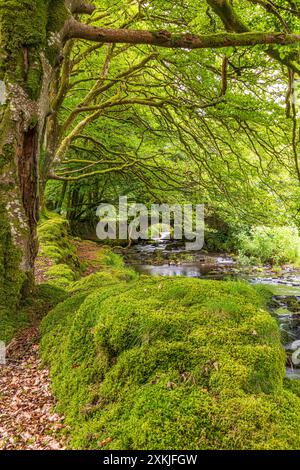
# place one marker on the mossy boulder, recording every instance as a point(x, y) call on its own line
point(56, 245)
point(161, 363)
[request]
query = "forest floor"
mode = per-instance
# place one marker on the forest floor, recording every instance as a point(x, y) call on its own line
point(28, 420)
point(88, 253)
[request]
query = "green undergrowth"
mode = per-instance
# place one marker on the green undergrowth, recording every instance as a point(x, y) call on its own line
point(274, 245)
point(56, 245)
point(169, 363)
point(36, 306)
point(11, 322)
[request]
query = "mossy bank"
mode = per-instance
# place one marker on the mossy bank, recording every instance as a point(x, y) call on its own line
point(169, 363)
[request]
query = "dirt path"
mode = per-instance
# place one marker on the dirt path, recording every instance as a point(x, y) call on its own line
point(27, 419)
point(88, 252)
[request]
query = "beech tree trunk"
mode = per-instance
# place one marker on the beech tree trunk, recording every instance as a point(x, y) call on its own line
point(28, 55)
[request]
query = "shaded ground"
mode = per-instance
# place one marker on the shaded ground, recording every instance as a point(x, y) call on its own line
point(27, 419)
point(88, 253)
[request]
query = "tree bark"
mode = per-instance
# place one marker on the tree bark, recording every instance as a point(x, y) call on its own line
point(21, 130)
point(29, 54)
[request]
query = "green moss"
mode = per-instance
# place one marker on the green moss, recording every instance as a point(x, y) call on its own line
point(61, 275)
point(109, 258)
point(24, 31)
point(15, 315)
point(27, 30)
point(293, 386)
point(11, 322)
point(11, 279)
point(108, 277)
point(50, 295)
point(57, 15)
point(161, 363)
point(27, 27)
point(34, 78)
point(6, 155)
point(36, 306)
point(7, 150)
point(56, 244)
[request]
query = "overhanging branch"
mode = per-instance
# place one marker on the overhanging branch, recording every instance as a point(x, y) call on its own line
point(75, 29)
point(231, 21)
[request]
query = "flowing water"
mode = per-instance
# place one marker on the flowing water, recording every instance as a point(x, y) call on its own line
point(167, 258)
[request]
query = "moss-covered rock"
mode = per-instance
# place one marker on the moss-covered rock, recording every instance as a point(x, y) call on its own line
point(61, 275)
point(56, 245)
point(166, 363)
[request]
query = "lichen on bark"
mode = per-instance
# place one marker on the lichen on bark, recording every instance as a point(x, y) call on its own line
point(29, 50)
point(11, 278)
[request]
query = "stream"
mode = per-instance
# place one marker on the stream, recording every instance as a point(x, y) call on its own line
point(169, 258)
